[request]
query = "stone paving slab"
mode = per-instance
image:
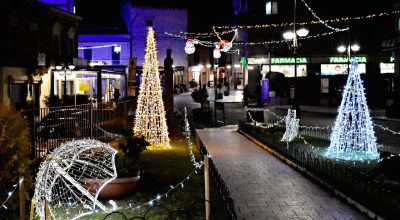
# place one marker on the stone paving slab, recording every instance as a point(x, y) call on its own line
point(263, 187)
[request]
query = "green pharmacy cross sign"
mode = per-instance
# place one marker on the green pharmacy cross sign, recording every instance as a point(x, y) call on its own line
point(288, 60)
point(359, 59)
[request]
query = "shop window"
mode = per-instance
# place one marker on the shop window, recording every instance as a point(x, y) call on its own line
point(386, 67)
point(56, 45)
point(271, 8)
point(34, 42)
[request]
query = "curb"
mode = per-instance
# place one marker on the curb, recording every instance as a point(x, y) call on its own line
point(341, 195)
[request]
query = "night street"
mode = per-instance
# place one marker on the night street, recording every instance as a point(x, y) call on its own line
point(187, 109)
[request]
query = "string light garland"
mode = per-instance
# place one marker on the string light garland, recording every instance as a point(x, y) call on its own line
point(318, 128)
point(117, 47)
point(252, 43)
point(387, 129)
point(150, 120)
point(333, 20)
point(206, 35)
point(196, 164)
point(320, 20)
point(11, 193)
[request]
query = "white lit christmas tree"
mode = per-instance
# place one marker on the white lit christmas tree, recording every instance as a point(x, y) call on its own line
point(150, 119)
point(353, 137)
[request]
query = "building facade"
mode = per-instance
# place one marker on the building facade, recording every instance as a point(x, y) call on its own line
point(315, 72)
point(37, 37)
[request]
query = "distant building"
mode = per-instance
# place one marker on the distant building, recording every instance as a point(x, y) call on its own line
point(36, 37)
point(65, 5)
point(320, 69)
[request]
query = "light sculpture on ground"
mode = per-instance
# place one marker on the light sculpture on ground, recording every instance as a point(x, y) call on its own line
point(353, 137)
point(61, 179)
point(150, 120)
point(292, 126)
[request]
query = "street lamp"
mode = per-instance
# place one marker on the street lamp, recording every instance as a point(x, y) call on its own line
point(65, 73)
point(292, 35)
point(354, 47)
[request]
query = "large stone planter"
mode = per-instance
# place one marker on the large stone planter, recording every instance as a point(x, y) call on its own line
point(117, 188)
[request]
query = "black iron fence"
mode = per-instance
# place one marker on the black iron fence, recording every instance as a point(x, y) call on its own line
point(369, 189)
point(50, 127)
point(222, 188)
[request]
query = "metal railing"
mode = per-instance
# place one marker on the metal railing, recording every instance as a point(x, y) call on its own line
point(50, 127)
point(366, 188)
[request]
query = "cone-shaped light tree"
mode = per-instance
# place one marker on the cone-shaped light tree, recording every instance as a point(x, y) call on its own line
point(150, 119)
point(353, 136)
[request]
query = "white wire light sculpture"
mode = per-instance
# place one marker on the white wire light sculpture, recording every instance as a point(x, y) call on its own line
point(61, 179)
point(353, 136)
point(292, 126)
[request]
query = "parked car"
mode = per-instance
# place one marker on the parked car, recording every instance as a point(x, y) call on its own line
point(60, 123)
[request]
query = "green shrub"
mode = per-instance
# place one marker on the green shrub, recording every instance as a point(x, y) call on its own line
point(14, 155)
point(127, 161)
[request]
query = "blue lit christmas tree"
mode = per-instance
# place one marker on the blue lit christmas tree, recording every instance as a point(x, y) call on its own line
point(353, 137)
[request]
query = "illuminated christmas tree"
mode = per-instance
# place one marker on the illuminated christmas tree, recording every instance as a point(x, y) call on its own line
point(353, 137)
point(150, 119)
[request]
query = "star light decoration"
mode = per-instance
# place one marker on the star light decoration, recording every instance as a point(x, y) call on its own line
point(292, 126)
point(64, 178)
point(150, 119)
point(353, 136)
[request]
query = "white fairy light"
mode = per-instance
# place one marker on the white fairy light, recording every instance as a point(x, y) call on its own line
point(10, 194)
point(320, 20)
point(64, 179)
point(353, 137)
point(150, 120)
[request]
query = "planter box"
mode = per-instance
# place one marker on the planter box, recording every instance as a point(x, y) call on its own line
point(117, 188)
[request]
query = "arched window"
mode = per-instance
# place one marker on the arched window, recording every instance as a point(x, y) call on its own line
point(71, 42)
point(56, 31)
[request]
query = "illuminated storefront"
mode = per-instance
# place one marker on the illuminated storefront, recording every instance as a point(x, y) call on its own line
point(85, 84)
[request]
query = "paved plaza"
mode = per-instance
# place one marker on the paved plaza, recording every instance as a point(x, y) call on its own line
point(263, 187)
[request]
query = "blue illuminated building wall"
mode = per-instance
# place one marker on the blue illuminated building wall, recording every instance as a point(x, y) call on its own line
point(163, 19)
point(65, 5)
point(102, 53)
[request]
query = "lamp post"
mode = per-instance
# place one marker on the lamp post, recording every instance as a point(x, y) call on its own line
point(65, 73)
point(229, 67)
point(292, 35)
point(354, 47)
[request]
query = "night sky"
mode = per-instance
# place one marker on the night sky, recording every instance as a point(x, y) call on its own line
point(206, 12)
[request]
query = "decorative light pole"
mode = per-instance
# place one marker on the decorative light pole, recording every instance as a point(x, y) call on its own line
point(341, 49)
point(292, 35)
point(229, 67)
point(64, 73)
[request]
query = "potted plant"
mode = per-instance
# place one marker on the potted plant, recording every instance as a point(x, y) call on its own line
point(127, 165)
point(200, 96)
